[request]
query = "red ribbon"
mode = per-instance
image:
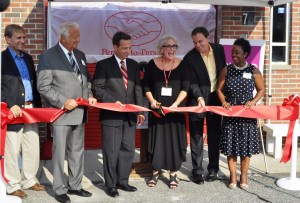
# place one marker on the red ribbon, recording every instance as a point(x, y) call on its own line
point(262, 112)
point(288, 111)
point(115, 107)
point(293, 101)
point(49, 115)
point(28, 116)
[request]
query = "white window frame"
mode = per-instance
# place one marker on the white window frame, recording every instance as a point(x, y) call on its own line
point(287, 38)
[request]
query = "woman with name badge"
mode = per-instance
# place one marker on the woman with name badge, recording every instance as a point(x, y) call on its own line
point(166, 83)
point(239, 136)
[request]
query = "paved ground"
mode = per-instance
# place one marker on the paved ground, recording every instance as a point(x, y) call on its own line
point(262, 186)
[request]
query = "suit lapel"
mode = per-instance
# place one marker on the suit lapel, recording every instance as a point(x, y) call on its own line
point(117, 73)
point(13, 65)
point(130, 73)
point(66, 61)
point(200, 67)
point(79, 62)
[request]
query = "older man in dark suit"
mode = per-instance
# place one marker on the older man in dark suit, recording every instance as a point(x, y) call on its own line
point(18, 90)
point(62, 78)
point(117, 80)
point(205, 61)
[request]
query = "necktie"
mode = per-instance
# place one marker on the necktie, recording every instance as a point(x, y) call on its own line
point(124, 74)
point(75, 67)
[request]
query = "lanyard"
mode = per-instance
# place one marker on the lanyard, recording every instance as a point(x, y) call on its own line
point(167, 78)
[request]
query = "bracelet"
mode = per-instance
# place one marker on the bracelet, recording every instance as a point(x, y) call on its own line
point(224, 103)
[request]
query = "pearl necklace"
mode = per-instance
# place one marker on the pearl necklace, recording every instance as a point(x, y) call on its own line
point(241, 68)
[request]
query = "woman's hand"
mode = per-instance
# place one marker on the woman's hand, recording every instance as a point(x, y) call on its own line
point(174, 105)
point(249, 104)
point(155, 104)
point(227, 106)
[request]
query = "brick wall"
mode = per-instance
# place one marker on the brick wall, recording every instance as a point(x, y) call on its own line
point(285, 79)
point(30, 15)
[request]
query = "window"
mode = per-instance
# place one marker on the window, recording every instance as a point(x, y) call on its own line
point(280, 37)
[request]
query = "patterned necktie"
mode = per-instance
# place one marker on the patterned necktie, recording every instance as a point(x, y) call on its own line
point(124, 73)
point(75, 67)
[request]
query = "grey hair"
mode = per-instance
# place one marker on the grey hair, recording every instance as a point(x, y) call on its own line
point(164, 40)
point(64, 29)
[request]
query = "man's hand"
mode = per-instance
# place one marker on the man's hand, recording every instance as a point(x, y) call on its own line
point(16, 110)
point(92, 101)
point(140, 119)
point(201, 102)
point(70, 104)
point(120, 103)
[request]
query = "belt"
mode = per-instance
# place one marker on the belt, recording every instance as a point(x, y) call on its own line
point(28, 102)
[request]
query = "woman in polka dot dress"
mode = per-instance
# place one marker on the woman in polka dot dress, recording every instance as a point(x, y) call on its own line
point(239, 135)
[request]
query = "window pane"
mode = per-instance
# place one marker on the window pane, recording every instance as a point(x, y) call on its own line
point(279, 23)
point(278, 54)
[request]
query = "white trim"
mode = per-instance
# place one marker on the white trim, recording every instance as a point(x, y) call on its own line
point(287, 38)
point(256, 3)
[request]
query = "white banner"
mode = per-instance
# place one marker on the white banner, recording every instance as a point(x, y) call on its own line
point(146, 23)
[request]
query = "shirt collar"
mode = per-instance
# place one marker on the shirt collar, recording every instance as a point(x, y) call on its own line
point(66, 51)
point(119, 60)
point(211, 51)
point(13, 54)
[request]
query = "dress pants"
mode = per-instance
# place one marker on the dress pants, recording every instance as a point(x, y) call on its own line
point(213, 122)
point(24, 142)
point(118, 153)
point(68, 143)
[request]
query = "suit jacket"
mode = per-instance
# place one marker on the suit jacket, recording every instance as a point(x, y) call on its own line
point(200, 83)
point(108, 86)
point(58, 82)
point(12, 89)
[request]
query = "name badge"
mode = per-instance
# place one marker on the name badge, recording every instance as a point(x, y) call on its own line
point(166, 91)
point(247, 75)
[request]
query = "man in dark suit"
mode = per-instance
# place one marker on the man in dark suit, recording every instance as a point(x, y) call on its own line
point(18, 90)
point(117, 80)
point(205, 61)
point(62, 78)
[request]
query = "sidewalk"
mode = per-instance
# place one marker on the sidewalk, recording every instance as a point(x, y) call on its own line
point(262, 186)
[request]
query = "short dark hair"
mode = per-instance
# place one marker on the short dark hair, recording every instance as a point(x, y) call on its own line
point(11, 29)
point(244, 44)
point(118, 36)
point(201, 30)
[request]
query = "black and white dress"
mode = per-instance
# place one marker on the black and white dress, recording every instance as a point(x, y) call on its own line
point(239, 135)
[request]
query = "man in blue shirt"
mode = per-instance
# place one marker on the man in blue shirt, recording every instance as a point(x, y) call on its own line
point(18, 90)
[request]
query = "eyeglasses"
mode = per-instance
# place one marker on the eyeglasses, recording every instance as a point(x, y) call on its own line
point(174, 46)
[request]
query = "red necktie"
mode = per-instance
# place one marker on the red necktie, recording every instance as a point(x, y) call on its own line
point(124, 73)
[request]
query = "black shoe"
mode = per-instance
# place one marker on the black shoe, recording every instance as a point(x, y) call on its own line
point(64, 198)
point(81, 193)
point(211, 176)
point(198, 179)
point(113, 192)
point(126, 187)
